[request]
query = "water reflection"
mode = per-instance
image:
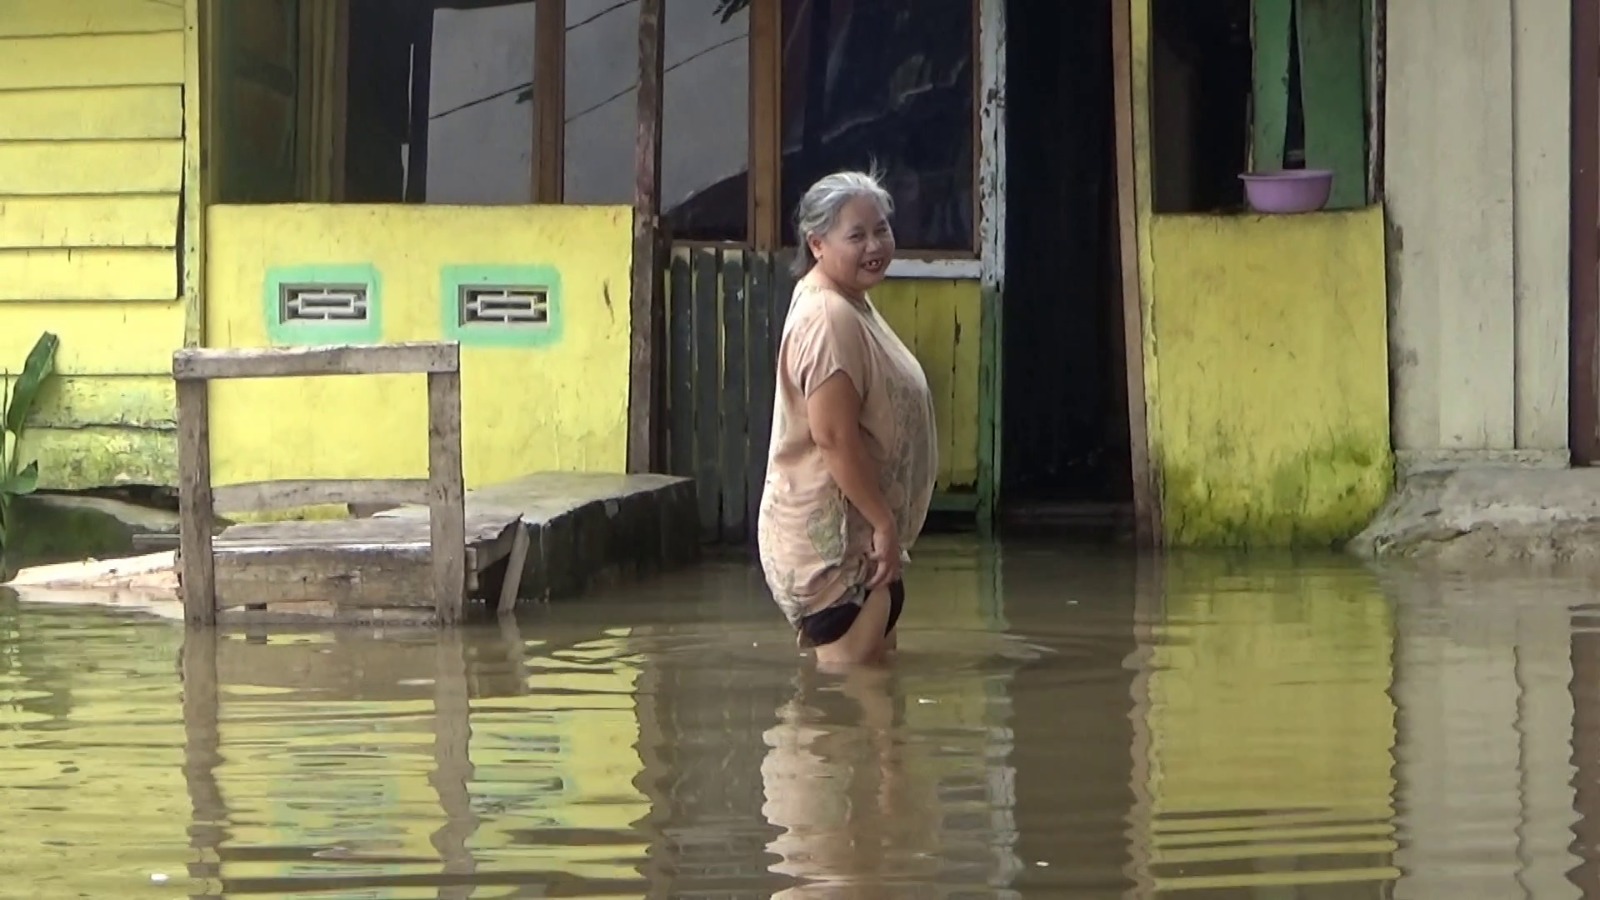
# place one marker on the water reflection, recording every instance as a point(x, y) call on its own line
point(1060, 723)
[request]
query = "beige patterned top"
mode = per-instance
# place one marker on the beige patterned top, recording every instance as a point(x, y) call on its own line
point(814, 544)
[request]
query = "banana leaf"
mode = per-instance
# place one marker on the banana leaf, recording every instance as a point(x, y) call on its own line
point(36, 370)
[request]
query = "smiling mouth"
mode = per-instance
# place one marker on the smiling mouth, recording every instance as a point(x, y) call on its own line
point(876, 265)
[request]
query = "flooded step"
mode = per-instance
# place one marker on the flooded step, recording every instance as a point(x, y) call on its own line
point(582, 531)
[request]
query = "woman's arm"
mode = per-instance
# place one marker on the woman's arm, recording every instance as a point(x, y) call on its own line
point(834, 410)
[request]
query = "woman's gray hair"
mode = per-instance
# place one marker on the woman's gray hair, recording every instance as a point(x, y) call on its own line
point(819, 208)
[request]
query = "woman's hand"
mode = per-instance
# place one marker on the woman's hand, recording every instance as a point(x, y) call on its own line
point(885, 558)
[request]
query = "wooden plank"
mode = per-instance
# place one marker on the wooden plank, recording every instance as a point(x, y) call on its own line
point(967, 354)
point(417, 358)
point(195, 504)
point(447, 525)
point(110, 113)
point(936, 328)
point(1541, 111)
point(1146, 504)
point(707, 376)
point(550, 102)
point(512, 584)
point(53, 168)
point(404, 531)
point(1584, 246)
point(680, 370)
point(132, 220)
point(23, 18)
point(262, 496)
point(1270, 83)
point(645, 306)
point(763, 381)
point(91, 60)
point(766, 133)
point(146, 334)
point(135, 402)
point(196, 194)
point(341, 580)
point(783, 284)
point(1332, 90)
point(1451, 206)
point(97, 274)
point(734, 412)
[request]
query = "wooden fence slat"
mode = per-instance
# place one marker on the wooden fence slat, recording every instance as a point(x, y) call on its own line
point(735, 373)
point(762, 381)
point(680, 368)
point(783, 282)
point(707, 378)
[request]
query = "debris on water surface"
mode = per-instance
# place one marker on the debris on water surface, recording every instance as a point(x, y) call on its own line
point(158, 878)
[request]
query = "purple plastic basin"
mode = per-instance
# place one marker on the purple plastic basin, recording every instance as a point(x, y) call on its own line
point(1289, 191)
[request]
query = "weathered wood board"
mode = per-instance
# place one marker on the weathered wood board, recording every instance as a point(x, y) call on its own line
point(582, 531)
point(334, 568)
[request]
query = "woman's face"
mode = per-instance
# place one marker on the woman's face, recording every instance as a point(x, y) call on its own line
point(856, 252)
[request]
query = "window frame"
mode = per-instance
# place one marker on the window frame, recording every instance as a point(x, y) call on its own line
point(763, 217)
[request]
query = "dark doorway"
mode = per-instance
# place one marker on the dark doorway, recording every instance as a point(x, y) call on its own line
point(1064, 412)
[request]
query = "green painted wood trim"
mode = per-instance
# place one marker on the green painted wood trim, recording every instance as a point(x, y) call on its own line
point(1333, 95)
point(955, 502)
point(1269, 126)
point(989, 388)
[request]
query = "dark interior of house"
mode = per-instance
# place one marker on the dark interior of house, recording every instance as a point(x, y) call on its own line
point(1201, 76)
point(382, 95)
point(1064, 447)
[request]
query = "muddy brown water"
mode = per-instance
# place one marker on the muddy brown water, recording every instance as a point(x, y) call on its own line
point(1061, 723)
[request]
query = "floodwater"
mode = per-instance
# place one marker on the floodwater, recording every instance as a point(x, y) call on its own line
point(1061, 723)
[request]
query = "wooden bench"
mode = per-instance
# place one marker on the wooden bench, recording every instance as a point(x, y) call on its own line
point(344, 570)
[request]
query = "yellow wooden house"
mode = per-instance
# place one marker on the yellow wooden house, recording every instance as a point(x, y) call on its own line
point(1108, 335)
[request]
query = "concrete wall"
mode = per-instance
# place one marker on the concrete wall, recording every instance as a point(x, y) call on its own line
point(1477, 191)
point(550, 397)
point(1264, 362)
point(1271, 400)
point(91, 174)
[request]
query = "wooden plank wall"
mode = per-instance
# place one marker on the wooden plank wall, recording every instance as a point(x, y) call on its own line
point(91, 170)
point(725, 311)
point(725, 314)
point(1478, 273)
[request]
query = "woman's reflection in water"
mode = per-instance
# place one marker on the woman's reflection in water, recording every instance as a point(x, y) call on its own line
point(837, 781)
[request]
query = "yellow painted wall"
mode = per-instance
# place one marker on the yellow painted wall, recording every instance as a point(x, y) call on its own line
point(1268, 712)
point(1265, 362)
point(1273, 400)
point(940, 320)
point(561, 407)
point(91, 168)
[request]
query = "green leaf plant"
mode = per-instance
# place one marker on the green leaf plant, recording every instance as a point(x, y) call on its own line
point(17, 399)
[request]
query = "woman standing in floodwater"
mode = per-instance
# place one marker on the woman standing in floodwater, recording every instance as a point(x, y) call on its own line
point(854, 450)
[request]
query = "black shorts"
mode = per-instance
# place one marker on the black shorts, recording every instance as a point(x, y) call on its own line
point(828, 625)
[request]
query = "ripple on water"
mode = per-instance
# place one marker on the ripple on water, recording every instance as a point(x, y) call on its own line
point(1095, 726)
